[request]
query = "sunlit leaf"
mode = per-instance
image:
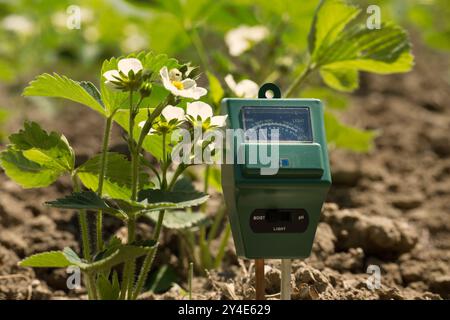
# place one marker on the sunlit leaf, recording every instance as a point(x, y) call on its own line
point(152, 143)
point(24, 172)
point(215, 88)
point(340, 46)
point(117, 182)
point(340, 79)
point(57, 86)
point(52, 259)
point(35, 158)
point(51, 150)
point(176, 199)
point(343, 136)
point(179, 219)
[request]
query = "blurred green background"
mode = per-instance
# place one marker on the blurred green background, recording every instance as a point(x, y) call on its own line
point(37, 36)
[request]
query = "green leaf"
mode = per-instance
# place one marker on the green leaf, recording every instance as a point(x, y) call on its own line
point(93, 91)
point(172, 199)
point(50, 150)
point(330, 19)
point(35, 158)
point(108, 290)
point(117, 182)
point(57, 86)
point(163, 279)
point(154, 63)
point(215, 178)
point(340, 46)
point(120, 208)
point(52, 259)
point(122, 254)
point(24, 172)
point(331, 98)
point(67, 257)
point(152, 143)
point(215, 88)
point(346, 137)
point(184, 184)
point(340, 79)
point(88, 200)
point(382, 51)
point(179, 219)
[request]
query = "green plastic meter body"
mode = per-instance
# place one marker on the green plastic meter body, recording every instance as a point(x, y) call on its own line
point(274, 206)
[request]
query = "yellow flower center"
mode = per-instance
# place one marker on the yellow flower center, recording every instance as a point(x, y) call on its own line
point(178, 84)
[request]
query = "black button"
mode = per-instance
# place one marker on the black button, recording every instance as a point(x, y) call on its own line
point(271, 216)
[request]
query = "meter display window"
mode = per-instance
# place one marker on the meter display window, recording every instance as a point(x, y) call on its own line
point(293, 124)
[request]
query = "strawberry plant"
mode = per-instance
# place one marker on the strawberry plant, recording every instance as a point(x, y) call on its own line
point(143, 93)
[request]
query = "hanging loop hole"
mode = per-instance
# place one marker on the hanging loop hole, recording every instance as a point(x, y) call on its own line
point(269, 91)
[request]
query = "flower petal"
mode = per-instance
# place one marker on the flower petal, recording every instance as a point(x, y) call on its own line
point(219, 121)
point(231, 83)
point(111, 75)
point(171, 112)
point(199, 108)
point(243, 38)
point(198, 92)
point(129, 64)
point(247, 89)
point(164, 73)
point(188, 84)
point(244, 89)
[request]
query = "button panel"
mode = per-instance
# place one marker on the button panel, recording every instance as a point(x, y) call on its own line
point(279, 220)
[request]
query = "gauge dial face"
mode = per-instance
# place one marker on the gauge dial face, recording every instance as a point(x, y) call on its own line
point(264, 123)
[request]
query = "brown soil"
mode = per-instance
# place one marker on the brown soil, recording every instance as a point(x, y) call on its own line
point(388, 208)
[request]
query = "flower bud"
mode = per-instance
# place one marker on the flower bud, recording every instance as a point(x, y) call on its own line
point(146, 89)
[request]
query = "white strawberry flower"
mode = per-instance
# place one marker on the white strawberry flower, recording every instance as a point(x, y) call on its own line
point(243, 38)
point(171, 112)
point(203, 111)
point(244, 88)
point(186, 88)
point(173, 117)
point(124, 66)
point(18, 24)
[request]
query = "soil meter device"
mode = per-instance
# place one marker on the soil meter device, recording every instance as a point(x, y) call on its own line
point(274, 209)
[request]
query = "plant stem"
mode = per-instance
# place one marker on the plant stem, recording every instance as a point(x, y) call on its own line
point(216, 223)
point(191, 275)
point(124, 287)
point(82, 217)
point(129, 268)
point(299, 81)
point(175, 176)
point(83, 223)
point(151, 255)
point(222, 246)
point(206, 182)
point(143, 274)
point(129, 276)
point(90, 285)
point(158, 227)
point(131, 224)
point(101, 179)
point(164, 164)
point(148, 124)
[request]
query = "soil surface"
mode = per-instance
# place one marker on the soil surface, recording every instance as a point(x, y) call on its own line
point(389, 208)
